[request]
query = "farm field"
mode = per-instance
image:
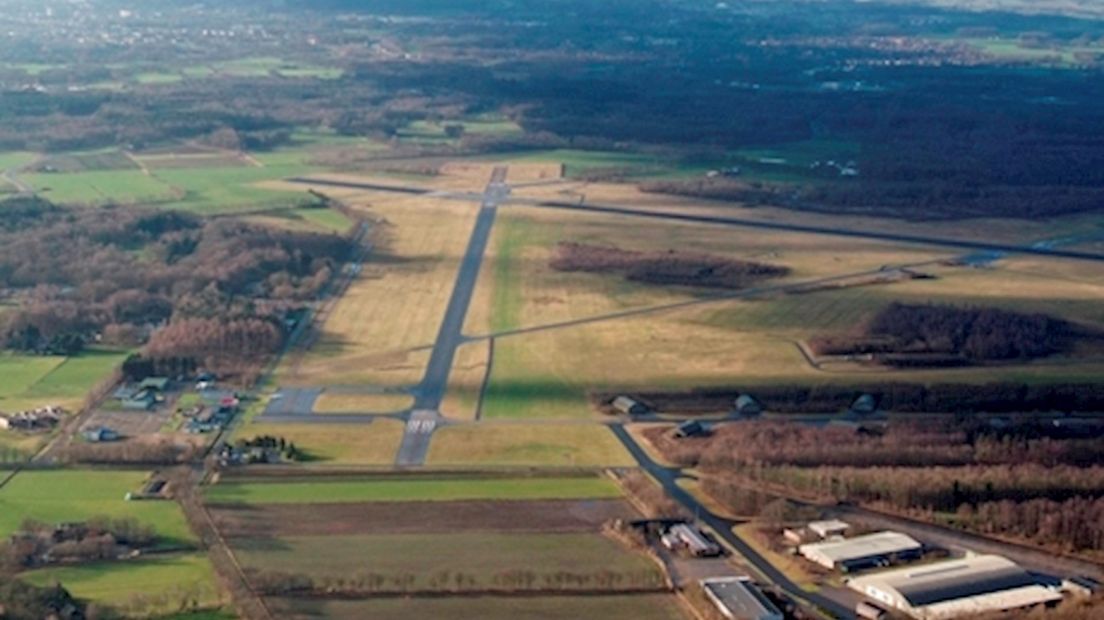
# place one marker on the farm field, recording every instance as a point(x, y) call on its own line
point(650, 607)
point(398, 489)
point(337, 444)
point(36, 381)
point(564, 445)
point(480, 557)
point(103, 187)
point(142, 587)
point(74, 495)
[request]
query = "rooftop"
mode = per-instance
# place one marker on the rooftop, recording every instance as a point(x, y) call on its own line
point(881, 543)
point(741, 598)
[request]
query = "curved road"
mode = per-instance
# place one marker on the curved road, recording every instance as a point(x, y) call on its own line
point(668, 479)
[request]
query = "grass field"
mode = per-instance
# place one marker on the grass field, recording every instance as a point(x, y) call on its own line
point(583, 445)
point(73, 495)
point(34, 381)
point(651, 607)
point(101, 187)
point(147, 587)
point(346, 444)
point(412, 489)
point(330, 402)
point(304, 219)
point(396, 304)
point(478, 555)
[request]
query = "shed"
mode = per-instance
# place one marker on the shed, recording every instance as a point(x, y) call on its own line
point(739, 598)
point(157, 384)
point(829, 528)
point(862, 552)
point(747, 405)
point(865, 403)
point(692, 539)
point(141, 401)
point(692, 428)
point(629, 406)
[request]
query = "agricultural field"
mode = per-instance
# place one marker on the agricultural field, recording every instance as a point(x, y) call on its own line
point(399, 489)
point(103, 187)
point(36, 381)
point(648, 607)
point(140, 588)
point(74, 495)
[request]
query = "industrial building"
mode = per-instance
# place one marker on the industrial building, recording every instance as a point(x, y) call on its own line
point(739, 599)
point(953, 588)
point(861, 552)
point(690, 538)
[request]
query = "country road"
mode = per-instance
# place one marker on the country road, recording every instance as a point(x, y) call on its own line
point(668, 479)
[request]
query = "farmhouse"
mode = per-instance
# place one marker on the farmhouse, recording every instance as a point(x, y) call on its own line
point(629, 406)
point(870, 551)
point(739, 599)
point(953, 588)
point(747, 405)
point(690, 538)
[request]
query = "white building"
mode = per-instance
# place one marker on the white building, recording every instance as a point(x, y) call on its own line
point(954, 588)
point(870, 551)
point(828, 529)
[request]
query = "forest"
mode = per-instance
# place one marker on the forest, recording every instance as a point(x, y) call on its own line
point(670, 267)
point(216, 292)
point(928, 334)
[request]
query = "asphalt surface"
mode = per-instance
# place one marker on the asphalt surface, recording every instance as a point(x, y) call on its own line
point(668, 479)
point(425, 417)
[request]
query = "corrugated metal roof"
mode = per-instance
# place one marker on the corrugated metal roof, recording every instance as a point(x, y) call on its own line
point(741, 598)
point(871, 545)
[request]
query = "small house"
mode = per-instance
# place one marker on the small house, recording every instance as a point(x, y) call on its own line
point(747, 405)
point(692, 428)
point(629, 406)
point(865, 403)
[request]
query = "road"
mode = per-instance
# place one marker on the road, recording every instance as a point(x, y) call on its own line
point(425, 417)
point(668, 479)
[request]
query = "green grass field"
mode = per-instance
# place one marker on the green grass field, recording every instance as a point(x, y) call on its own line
point(479, 555)
point(16, 159)
point(406, 490)
point(28, 381)
point(649, 607)
point(228, 190)
point(101, 187)
point(73, 495)
point(564, 445)
point(145, 587)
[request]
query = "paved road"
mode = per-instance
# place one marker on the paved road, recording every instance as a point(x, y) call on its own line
point(668, 477)
point(426, 417)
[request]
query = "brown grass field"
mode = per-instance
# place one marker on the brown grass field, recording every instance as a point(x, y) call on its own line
point(649, 607)
point(511, 444)
point(338, 444)
point(341, 403)
point(345, 519)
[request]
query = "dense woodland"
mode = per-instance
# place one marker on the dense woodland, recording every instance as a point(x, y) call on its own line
point(925, 334)
point(672, 267)
point(216, 292)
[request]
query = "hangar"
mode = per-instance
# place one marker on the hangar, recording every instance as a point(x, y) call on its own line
point(954, 588)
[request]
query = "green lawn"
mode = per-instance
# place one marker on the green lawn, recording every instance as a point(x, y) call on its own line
point(74, 495)
point(16, 159)
point(151, 585)
point(209, 190)
point(646, 607)
point(479, 555)
point(28, 381)
point(406, 490)
point(101, 187)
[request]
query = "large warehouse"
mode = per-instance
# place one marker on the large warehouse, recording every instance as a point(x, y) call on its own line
point(955, 588)
point(861, 552)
